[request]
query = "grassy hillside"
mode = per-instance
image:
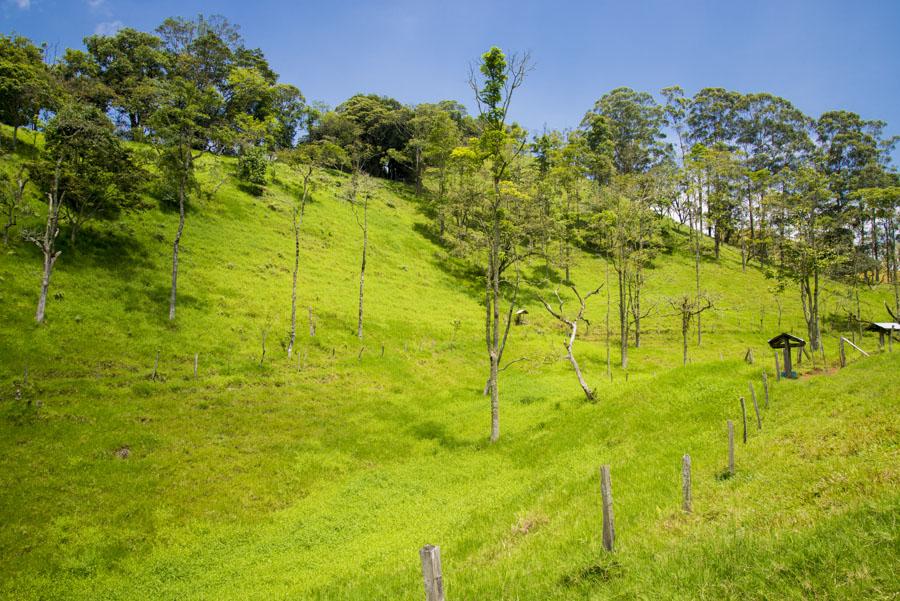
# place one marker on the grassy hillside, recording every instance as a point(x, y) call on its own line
point(320, 477)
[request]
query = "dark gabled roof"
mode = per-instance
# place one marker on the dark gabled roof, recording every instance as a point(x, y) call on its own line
point(883, 326)
point(785, 339)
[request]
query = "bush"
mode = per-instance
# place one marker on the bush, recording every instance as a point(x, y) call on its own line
point(252, 166)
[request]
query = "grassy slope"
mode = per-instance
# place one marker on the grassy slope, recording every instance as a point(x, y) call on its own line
point(273, 482)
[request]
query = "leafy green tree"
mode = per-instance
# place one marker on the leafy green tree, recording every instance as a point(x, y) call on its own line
point(808, 252)
point(128, 64)
point(633, 122)
point(499, 221)
point(434, 135)
point(80, 147)
point(26, 87)
point(185, 120)
point(97, 173)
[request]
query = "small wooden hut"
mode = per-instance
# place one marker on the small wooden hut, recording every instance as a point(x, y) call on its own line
point(884, 327)
point(521, 318)
point(787, 342)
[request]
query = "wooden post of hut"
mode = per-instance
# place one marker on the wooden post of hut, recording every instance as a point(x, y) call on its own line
point(787, 342)
point(521, 320)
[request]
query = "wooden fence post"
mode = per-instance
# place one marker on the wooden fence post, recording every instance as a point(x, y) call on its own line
point(841, 352)
point(777, 368)
point(609, 530)
point(766, 387)
point(155, 367)
point(730, 447)
point(431, 573)
point(744, 417)
point(755, 407)
point(686, 483)
point(196, 360)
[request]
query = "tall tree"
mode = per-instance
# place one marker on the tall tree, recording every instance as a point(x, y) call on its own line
point(305, 160)
point(184, 121)
point(128, 64)
point(498, 223)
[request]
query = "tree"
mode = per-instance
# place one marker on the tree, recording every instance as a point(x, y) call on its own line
point(434, 135)
point(625, 230)
point(572, 324)
point(97, 173)
point(808, 253)
point(26, 87)
point(46, 241)
point(305, 159)
point(128, 64)
point(497, 227)
point(688, 308)
point(360, 193)
point(12, 197)
point(184, 121)
point(633, 122)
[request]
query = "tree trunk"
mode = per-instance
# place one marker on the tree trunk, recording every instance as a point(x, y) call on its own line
point(298, 221)
point(362, 269)
point(587, 391)
point(47, 243)
point(608, 358)
point(293, 335)
point(623, 320)
point(494, 316)
point(15, 139)
point(181, 192)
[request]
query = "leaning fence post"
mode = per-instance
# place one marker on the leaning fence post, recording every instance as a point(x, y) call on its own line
point(755, 407)
point(841, 351)
point(686, 483)
point(777, 368)
point(730, 447)
point(609, 530)
point(766, 387)
point(744, 418)
point(431, 573)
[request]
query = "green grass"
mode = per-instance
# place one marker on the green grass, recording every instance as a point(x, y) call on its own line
point(273, 482)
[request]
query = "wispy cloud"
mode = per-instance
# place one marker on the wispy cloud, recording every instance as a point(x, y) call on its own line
point(108, 27)
point(95, 4)
point(23, 4)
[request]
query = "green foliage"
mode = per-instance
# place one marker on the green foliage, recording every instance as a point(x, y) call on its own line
point(252, 165)
point(25, 84)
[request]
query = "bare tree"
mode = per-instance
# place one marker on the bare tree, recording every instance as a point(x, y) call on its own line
point(572, 324)
point(688, 308)
point(361, 187)
point(305, 160)
point(47, 241)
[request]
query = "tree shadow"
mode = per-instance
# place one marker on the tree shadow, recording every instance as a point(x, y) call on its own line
point(111, 248)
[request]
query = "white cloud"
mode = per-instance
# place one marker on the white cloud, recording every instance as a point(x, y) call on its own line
point(108, 27)
point(23, 4)
point(95, 4)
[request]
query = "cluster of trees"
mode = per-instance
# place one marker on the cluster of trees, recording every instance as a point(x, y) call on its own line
point(802, 198)
point(191, 87)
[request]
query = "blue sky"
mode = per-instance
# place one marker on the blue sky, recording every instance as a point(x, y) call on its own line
point(821, 55)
